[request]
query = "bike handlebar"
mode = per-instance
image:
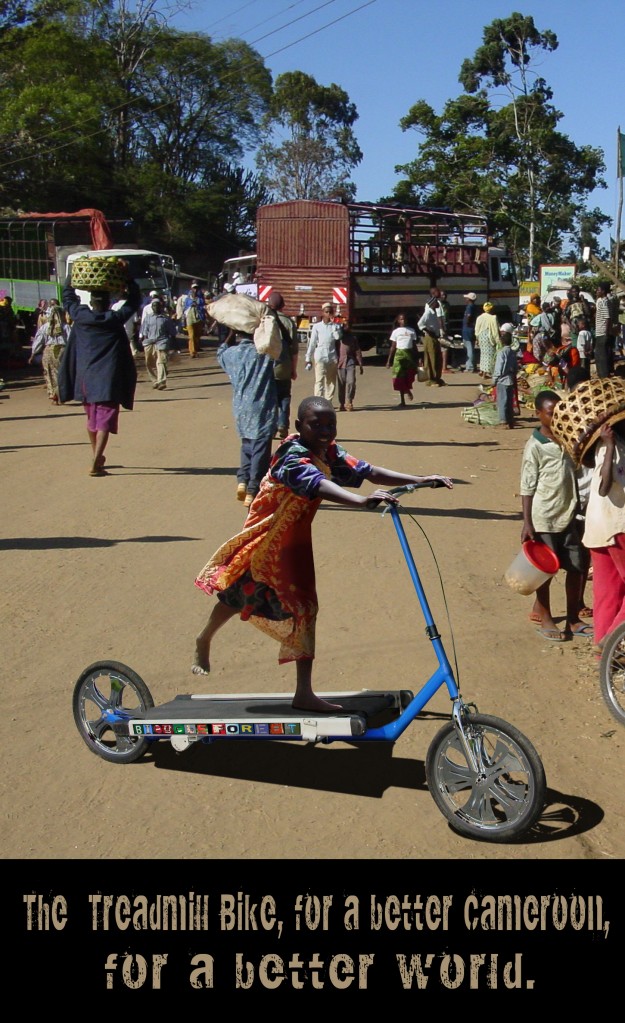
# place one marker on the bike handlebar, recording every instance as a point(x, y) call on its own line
point(409, 487)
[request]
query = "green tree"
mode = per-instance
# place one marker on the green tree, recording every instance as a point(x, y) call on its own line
point(200, 103)
point(56, 151)
point(310, 148)
point(509, 161)
point(135, 118)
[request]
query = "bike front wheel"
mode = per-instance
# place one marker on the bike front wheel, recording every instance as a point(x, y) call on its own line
point(500, 797)
point(110, 686)
point(612, 673)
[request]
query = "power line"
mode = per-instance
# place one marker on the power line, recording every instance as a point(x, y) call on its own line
point(100, 131)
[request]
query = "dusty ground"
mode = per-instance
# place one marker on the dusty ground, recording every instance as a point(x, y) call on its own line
point(103, 569)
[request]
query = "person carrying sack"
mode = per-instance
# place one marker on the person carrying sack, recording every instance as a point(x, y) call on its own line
point(285, 367)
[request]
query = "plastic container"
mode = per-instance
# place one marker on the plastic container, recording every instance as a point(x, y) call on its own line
point(534, 565)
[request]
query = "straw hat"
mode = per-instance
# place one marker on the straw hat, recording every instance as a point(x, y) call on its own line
point(578, 419)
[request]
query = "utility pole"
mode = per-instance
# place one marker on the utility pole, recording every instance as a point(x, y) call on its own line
point(619, 158)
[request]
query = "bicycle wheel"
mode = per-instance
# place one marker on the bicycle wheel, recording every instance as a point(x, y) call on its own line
point(612, 673)
point(504, 796)
point(109, 685)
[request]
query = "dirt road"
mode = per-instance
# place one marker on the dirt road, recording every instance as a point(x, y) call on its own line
point(104, 568)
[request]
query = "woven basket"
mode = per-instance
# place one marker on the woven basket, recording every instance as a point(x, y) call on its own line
point(99, 273)
point(578, 418)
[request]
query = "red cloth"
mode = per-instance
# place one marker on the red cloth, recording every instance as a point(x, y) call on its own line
point(608, 587)
point(101, 237)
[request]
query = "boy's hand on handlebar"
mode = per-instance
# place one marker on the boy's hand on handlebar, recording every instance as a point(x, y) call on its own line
point(440, 481)
point(376, 498)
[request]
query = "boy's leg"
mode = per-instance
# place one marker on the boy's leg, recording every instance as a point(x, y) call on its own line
point(319, 379)
point(340, 380)
point(510, 406)
point(573, 586)
point(330, 380)
point(470, 347)
point(304, 698)
point(220, 614)
point(350, 381)
point(542, 610)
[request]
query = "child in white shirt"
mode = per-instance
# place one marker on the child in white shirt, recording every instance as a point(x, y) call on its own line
point(584, 343)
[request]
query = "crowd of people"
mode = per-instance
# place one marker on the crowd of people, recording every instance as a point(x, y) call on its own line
point(88, 354)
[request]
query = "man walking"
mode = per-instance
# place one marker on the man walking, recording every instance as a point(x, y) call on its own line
point(323, 348)
point(604, 352)
point(285, 368)
point(195, 318)
point(468, 330)
point(158, 334)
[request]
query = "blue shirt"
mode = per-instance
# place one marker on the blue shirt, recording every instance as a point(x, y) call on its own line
point(255, 398)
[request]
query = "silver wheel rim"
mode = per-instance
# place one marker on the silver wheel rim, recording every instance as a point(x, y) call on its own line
point(616, 678)
point(498, 795)
point(107, 691)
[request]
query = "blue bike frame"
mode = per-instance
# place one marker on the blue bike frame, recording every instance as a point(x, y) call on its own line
point(443, 674)
point(392, 730)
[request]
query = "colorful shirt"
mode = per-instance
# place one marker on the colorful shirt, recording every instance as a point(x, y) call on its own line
point(267, 570)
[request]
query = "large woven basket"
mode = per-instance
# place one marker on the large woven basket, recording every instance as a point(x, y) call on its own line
point(578, 418)
point(99, 273)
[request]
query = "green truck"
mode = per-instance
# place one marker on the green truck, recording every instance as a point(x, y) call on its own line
point(36, 251)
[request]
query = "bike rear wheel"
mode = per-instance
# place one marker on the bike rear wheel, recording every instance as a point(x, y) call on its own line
point(612, 673)
point(110, 686)
point(500, 800)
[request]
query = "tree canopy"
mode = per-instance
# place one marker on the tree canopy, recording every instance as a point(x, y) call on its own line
point(104, 104)
point(310, 149)
point(506, 160)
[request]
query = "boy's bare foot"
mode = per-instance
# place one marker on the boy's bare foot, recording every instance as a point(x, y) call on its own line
point(314, 703)
point(201, 662)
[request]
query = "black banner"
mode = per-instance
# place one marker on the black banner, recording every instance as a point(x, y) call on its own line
point(306, 931)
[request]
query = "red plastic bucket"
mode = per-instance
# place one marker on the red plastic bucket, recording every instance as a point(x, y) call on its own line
point(533, 565)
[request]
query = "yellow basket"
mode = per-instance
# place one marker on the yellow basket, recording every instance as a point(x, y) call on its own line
point(99, 273)
point(578, 418)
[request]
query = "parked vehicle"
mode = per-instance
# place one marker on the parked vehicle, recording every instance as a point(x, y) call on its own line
point(37, 249)
point(374, 261)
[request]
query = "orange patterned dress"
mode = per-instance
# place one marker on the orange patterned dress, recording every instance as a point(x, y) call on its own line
point(267, 570)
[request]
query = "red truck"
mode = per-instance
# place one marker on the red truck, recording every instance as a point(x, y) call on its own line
point(374, 261)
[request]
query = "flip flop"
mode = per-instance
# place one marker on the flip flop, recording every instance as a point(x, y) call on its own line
point(533, 617)
point(552, 634)
point(586, 612)
point(587, 631)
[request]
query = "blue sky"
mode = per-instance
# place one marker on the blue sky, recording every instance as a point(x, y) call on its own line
point(387, 54)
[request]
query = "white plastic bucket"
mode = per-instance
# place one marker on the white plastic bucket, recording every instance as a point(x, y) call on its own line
point(534, 565)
